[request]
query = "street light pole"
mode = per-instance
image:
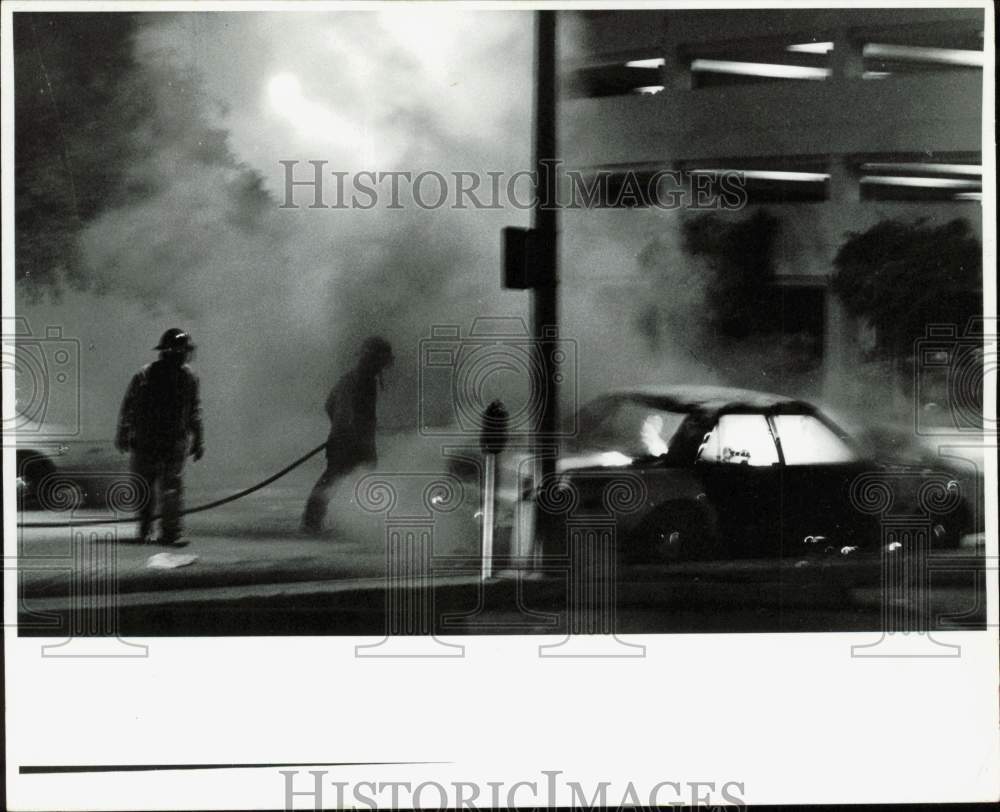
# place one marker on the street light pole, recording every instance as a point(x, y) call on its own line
point(544, 299)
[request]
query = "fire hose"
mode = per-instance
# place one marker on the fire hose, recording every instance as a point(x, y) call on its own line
point(199, 508)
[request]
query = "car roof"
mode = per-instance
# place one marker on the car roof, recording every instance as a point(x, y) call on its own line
point(690, 398)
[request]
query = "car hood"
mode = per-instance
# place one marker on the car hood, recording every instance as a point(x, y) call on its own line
point(901, 445)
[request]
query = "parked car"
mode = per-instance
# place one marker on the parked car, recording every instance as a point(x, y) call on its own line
point(712, 472)
point(64, 474)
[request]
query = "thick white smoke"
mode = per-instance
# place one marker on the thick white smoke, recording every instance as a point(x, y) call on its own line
point(278, 300)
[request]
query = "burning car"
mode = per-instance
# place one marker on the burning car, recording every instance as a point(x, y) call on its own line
point(712, 472)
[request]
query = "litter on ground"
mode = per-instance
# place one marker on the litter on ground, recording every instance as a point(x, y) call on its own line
point(169, 561)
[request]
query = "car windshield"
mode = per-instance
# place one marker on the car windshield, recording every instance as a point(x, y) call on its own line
point(807, 441)
point(628, 426)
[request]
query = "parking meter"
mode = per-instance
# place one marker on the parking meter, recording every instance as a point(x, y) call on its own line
point(493, 436)
point(492, 440)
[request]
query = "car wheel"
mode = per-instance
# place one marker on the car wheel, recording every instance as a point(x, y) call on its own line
point(673, 533)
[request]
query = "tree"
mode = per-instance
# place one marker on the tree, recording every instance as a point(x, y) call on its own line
point(900, 277)
point(79, 99)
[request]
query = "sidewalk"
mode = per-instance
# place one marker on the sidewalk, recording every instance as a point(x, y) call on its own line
point(327, 588)
point(252, 542)
point(223, 561)
point(254, 574)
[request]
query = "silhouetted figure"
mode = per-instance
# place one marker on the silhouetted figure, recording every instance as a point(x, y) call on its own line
point(160, 424)
point(351, 409)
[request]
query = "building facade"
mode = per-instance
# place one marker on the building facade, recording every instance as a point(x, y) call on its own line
point(837, 118)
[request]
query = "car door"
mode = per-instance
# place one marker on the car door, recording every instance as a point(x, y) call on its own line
point(819, 468)
point(739, 465)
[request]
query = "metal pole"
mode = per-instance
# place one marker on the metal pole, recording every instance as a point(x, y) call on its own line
point(545, 222)
point(489, 513)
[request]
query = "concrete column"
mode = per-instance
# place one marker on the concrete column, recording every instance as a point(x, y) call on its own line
point(839, 344)
point(675, 72)
point(846, 61)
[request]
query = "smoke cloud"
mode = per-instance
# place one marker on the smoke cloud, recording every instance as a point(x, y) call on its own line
point(155, 179)
point(278, 300)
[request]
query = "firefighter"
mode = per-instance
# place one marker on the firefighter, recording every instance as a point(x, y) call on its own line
point(160, 424)
point(351, 409)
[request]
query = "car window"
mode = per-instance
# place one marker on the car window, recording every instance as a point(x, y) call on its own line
point(644, 429)
point(635, 428)
point(739, 439)
point(806, 440)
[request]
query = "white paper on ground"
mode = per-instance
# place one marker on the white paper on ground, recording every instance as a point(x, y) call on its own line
point(169, 561)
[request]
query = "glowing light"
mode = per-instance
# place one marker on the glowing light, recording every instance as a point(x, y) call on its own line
point(921, 53)
point(646, 63)
point(759, 69)
point(613, 458)
point(811, 48)
point(650, 90)
point(604, 459)
point(921, 183)
point(969, 196)
point(655, 445)
point(941, 169)
point(309, 117)
point(767, 174)
point(875, 74)
point(285, 92)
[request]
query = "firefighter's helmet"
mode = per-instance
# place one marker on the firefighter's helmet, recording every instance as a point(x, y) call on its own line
point(175, 340)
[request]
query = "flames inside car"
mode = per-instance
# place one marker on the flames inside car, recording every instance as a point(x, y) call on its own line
point(738, 473)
